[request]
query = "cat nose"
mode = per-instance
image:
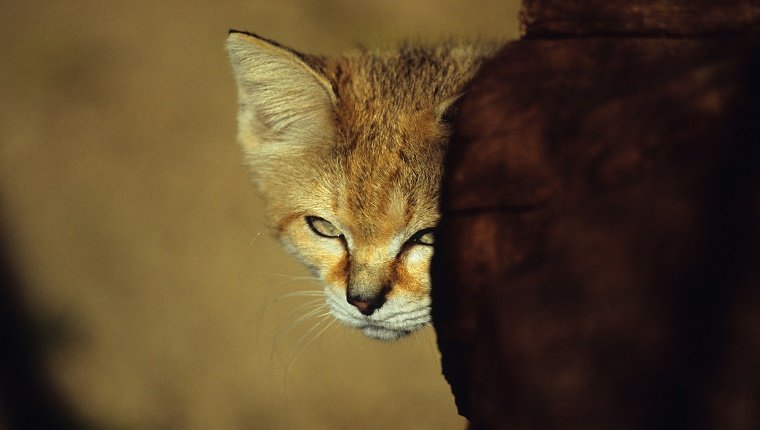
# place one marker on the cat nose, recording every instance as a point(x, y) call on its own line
point(366, 306)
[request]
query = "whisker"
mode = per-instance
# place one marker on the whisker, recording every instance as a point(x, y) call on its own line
point(304, 293)
point(416, 334)
point(309, 314)
point(294, 280)
point(432, 347)
point(306, 345)
point(284, 275)
point(314, 303)
point(311, 330)
point(314, 313)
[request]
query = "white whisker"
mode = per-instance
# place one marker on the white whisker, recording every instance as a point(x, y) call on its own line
point(314, 313)
point(311, 330)
point(285, 275)
point(303, 279)
point(309, 305)
point(306, 345)
point(304, 293)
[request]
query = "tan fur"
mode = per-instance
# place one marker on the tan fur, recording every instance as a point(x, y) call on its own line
point(358, 140)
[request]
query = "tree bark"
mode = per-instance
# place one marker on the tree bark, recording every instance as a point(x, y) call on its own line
point(598, 258)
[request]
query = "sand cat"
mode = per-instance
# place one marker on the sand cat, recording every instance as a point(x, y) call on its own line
point(348, 151)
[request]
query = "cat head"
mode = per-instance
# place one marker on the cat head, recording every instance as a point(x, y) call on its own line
point(347, 151)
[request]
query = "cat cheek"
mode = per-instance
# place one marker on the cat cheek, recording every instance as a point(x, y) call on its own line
point(335, 272)
point(319, 254)
point(413, 277)
point(329, 265)
point(418, 255)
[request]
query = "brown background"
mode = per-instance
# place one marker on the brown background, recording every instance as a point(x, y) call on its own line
point(140, 241)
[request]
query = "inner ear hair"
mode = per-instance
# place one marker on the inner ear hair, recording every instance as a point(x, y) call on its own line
point(283, 95)
point(248, 50)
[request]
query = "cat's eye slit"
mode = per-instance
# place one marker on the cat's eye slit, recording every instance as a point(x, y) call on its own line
point(423, 237)
point(322, 227)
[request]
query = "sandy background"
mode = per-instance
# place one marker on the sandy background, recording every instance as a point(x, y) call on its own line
point(140, 241)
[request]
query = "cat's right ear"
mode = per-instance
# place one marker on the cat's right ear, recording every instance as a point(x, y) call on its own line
point(283, 98)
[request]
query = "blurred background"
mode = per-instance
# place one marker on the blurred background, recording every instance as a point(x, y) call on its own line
point(153, 290)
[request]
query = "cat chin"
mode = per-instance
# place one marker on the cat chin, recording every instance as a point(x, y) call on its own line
point(376, 331)
point(382, 333)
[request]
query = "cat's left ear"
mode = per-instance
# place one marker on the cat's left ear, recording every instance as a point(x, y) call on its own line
point(284, 98)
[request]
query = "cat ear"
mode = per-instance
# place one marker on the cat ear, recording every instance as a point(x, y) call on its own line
point(282, 97)
point(448, 109)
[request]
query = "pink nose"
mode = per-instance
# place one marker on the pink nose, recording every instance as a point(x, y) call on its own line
point(367, 307)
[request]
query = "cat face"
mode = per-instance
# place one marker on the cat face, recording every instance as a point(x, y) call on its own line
point(372, 252)
point(347, 151)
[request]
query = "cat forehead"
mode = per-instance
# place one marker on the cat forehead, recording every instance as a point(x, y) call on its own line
point(389, 107)
point(362, 177)
point(378, 154)
point(373, 197)
point(371, 213)
point(415, 77)
point(389, 139)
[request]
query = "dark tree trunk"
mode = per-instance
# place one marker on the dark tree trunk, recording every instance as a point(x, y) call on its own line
point(598, 259)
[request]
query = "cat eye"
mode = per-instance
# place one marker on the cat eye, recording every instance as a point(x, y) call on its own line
point(322, 227)
point(423, 237)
